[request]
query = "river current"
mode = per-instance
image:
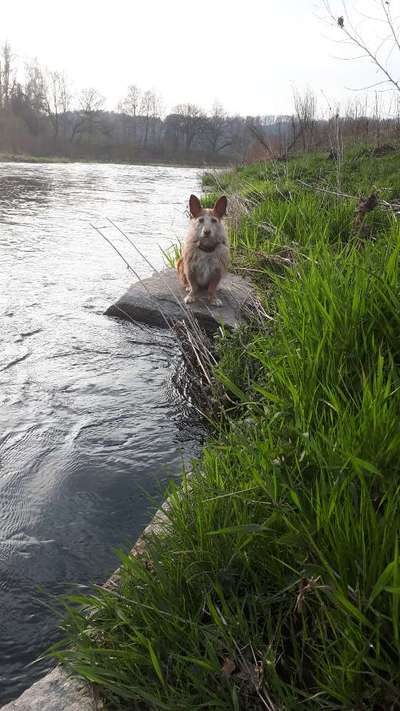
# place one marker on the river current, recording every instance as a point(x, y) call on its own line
point(91, 427)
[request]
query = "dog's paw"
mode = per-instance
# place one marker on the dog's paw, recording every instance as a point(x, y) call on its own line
point(215, 301)
point(190, 299)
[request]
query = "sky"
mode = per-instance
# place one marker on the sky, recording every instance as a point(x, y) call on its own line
point(247, 55)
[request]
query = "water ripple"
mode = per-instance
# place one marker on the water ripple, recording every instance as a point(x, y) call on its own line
point(90, 427)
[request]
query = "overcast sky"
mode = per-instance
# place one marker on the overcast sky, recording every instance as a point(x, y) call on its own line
point(248, 55)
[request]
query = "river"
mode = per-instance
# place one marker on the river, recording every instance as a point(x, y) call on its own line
point(91, 428)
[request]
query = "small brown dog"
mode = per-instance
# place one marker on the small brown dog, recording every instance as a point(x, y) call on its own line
point(205, 254)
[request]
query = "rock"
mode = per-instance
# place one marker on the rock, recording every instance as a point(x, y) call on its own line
point(159, 301)
point(57, 691)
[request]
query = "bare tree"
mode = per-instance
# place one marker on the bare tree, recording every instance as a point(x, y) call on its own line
point(215, 127)
point(130, 104)
point(356, 121)
point(191, 119)
point(305, 108)
point(91, 103)
point(31, 100)
point(382, 52)
point(35, 86)
point(150, 109)
point(57, 100)
point(7, 75)
point(156, 113)
point(261, 139)
point(65, 92)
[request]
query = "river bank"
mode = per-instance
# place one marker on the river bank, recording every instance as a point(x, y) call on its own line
point(26, 158)
point(277, 582)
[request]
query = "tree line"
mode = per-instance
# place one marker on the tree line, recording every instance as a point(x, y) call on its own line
point(41, 115)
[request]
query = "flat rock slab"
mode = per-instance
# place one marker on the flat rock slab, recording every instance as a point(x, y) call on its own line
point(159, 301)
point(57, 691)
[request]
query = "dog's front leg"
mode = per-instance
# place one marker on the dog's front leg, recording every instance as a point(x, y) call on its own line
point(191, 298)
point(213, 300)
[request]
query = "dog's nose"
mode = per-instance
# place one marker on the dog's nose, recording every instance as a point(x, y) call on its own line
point(206, 233)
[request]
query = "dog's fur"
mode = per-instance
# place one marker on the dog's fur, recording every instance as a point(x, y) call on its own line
point(205, 254)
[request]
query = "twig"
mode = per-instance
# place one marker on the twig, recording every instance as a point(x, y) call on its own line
point(383, 203)
point(181, 303)
point(356, 39)
point(325, 190)
point(98, 230)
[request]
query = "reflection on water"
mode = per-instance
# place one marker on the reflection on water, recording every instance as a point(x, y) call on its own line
point(90, 426)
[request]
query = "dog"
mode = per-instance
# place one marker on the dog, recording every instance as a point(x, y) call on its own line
point(205, 253)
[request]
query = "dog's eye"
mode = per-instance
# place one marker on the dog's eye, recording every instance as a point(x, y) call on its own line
point(213, 219)
point(201, 219)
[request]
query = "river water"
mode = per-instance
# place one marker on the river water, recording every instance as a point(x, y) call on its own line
point(91, 428)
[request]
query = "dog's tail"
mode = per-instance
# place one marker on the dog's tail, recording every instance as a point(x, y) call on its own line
point(181, 271)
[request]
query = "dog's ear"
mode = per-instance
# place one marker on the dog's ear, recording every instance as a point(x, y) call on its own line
point(194, 206)
point(219, 208)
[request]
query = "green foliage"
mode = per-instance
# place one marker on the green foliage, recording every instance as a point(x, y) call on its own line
point(172, 254)
point(360, 172)
point(277, 584)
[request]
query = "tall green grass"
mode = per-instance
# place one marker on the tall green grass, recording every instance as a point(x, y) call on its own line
point(277, 582)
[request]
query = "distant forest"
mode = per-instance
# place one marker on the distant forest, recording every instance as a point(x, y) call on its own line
point(40, 115)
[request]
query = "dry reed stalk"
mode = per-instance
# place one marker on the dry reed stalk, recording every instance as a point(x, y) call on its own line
point(197, 383)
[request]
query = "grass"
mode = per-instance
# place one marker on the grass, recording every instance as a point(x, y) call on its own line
point(26, 158)
point(277, 582)
point(171, 254)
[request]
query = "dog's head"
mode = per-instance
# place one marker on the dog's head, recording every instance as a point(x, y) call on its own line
point(207, 223)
